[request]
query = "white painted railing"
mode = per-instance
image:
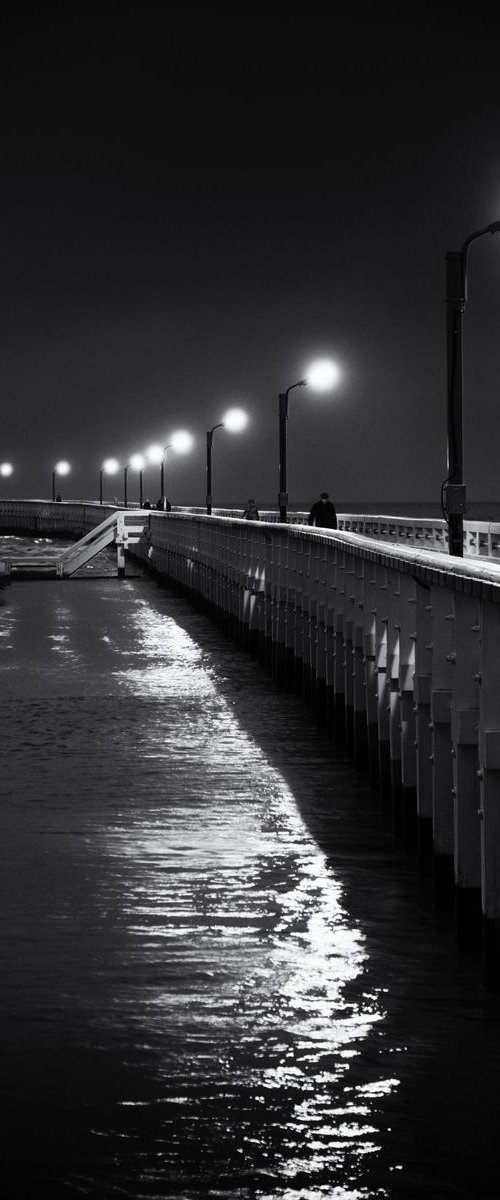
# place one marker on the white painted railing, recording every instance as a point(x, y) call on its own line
point(481, 538)
point(398, 651)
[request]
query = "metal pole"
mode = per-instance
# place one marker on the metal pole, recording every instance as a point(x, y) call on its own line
point(456, 296)
point(140, 489)
point(162, 480)
point(53, 485)
point(283, 417)
point(125, 497)
point(210, 436)
point(455, 488)
point(100, 486)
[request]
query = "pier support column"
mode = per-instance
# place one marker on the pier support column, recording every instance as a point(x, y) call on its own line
point(120, 560)
point(489, 760)
point(423, 734)
point(383, 705)
point(361, 757)
point(407, 639)
point(442, 796)
point(466, 790)
point(393, 686)
point(369, 648)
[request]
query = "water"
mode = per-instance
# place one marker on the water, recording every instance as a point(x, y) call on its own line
point(222, 980)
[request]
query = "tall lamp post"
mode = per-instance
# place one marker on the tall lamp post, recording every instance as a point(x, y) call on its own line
point(136, 463)
point(182, 441)
point(109, 467)
point(322, 376)
point(456, 298)
point(234, 420)
point(61, 468)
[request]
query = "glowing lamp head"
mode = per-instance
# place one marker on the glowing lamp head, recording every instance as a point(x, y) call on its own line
point(323, 375)
point(235, 420)
point(154, 453)
point(62, 468)
point(110, 466)
point(182, 441)
point(6, 469)
point(137, 462)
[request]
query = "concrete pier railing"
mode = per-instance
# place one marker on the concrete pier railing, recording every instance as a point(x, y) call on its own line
point(397, 652)
point(481, 538)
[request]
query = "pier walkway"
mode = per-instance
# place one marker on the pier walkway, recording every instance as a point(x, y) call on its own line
point(395, 647)
point(221, 978)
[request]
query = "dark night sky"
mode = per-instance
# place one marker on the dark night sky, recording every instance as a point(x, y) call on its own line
point(198, 200)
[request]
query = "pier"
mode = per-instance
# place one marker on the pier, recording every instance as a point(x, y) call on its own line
point(391, 643)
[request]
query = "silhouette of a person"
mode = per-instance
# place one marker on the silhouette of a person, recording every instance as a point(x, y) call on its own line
point(323, 513)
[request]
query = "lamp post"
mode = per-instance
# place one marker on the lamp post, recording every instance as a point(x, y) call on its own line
point(322, 375)
point(234, 420)
point(155, 454)
point(61, 468)
point(182, 441)
point(109, 467)
point(456, 298)
point(137, 464)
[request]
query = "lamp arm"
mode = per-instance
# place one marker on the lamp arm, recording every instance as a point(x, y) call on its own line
point(493, 228)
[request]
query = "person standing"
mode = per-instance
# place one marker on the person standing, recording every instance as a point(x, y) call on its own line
point(323, 513)
point(251, 512)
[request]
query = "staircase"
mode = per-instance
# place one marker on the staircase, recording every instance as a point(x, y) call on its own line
point(123, 528)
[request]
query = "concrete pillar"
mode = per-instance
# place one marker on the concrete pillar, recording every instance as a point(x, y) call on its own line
point(489, 766)
point(466, 791)
point(120, 560)
point(383, 705)
point(407, 639)
point(441, 696)
point(371, 691)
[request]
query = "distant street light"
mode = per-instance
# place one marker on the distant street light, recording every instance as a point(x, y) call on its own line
point(181, 443)
point(321, 376)
point(136, 463)
point(235, 420)
point(454, 505)
point(61, 468)
point(109, 467)
point(6, 469)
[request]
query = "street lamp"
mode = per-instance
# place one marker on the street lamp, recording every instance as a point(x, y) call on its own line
point(321, 376)
point(109, 467)
point(454, 505)
point(181, 443)
point(61, 468)
point(6, 469)
point(136, 463)
point(234, 420)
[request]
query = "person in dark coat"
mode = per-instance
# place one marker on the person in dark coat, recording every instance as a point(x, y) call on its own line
point(251, 512)
point(323, 513)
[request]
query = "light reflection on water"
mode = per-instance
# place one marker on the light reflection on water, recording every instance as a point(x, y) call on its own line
point(192, 997)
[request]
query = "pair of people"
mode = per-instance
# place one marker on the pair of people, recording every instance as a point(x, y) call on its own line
point(322, 513)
